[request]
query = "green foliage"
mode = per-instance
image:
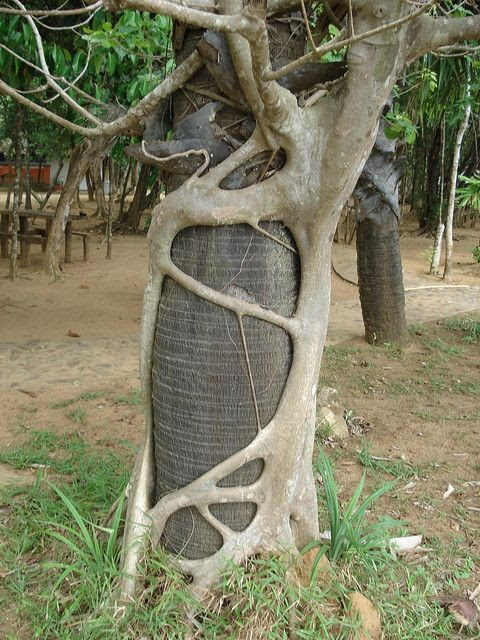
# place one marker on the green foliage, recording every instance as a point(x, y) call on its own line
point(469, 194)
point(476, 253)
point(130, 55)
point(91, 558)
point(400, 126)
point(117, 58)
point(432, 97)
point(77, 414)
point(470, 327)
point(349, 531)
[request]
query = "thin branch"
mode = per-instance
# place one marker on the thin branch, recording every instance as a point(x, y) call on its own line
point(169, 85)
point(215, 96)
point(307, 24)
point(339, 43)
point(194, 17)
point(13, 93)
point(72, 84)
point(46, 71)
point(159, 161)
point(249, 372)
point(330, 13)
point(237, 305)
point(68, 27)
point(52, 12)
point(133, 117)
point(431, 34)
point(27, 92)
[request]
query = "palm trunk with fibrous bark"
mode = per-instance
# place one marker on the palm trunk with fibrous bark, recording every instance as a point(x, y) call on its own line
point(379, 262)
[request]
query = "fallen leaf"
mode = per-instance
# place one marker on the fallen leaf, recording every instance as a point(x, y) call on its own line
point(72, 334)
point(405, 543)
point(463, 610)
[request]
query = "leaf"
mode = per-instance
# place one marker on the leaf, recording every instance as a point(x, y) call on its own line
point(111, 63)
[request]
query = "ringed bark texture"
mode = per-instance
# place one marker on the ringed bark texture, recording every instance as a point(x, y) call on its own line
point(216, 379)
point(379, 262)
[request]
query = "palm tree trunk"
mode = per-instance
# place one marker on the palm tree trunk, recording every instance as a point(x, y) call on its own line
point(379, 262)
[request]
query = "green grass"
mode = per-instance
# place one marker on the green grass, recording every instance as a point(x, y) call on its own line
point(59, 575)
point(78, 414)
point(398, 468)
point(468, 327)
point(86, 395)
point(133, 399)
point(350, 532)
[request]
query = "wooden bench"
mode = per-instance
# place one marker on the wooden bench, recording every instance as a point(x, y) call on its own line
point(25, 241)
point(86, 246)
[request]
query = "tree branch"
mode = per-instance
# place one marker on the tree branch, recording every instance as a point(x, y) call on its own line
point(133, 117)
point(46, 71)
point(339, 43)
point(194, 17)
point(430, 34)
point(169, 85)
point(13, 93)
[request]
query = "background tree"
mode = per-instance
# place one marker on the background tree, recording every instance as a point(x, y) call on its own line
point(379, 262)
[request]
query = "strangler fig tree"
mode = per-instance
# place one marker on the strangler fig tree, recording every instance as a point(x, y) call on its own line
point(236, 303)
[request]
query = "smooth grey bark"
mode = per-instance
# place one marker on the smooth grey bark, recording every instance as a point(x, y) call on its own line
point(80, 160)
point(379, 261)
point(447, 273)
point(324, 142)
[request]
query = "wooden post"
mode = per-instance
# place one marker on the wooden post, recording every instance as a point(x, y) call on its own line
point(68, 241)
point(86, 249)
point(4, 220)
point(25, 257)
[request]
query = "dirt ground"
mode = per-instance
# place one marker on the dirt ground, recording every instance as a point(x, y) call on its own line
point(42, 367)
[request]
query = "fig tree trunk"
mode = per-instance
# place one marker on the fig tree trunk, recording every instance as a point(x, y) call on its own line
point(379, 262)
point(236, 307)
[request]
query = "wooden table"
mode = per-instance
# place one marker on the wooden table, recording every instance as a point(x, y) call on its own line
point(24, 216)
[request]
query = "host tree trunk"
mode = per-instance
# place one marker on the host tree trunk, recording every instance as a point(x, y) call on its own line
point(379, 262)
